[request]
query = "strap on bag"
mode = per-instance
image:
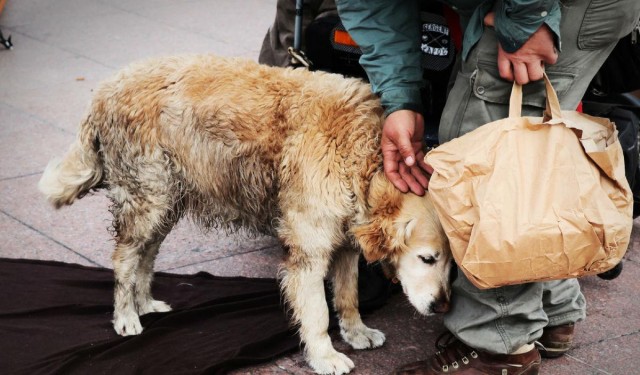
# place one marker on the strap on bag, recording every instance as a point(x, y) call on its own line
point(552, 109)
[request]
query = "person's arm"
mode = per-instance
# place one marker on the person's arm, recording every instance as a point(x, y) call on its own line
point(528, 32)
point(388, 33)
point(517, 20)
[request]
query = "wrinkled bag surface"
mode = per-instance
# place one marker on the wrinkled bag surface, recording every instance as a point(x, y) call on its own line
point(528, 199)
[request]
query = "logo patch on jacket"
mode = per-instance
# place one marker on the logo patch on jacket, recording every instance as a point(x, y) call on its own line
point(438, 51)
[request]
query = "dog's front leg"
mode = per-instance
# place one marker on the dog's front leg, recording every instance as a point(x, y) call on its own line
point(303, 286)
point(345, 300)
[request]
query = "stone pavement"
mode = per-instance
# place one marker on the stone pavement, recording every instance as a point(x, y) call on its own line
point(64, 48)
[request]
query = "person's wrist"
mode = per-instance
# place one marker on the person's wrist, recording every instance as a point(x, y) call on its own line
point(399, 98)
point(414, 107)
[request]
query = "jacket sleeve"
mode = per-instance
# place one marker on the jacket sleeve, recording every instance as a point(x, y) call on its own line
point(516, 20)
point(388, 33)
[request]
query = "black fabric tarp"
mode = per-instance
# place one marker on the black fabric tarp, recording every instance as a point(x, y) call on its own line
point(55, 318)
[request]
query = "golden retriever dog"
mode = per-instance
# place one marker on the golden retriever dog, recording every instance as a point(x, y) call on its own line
point(235, 145)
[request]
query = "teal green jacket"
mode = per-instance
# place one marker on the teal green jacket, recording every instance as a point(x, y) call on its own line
point(388, 32)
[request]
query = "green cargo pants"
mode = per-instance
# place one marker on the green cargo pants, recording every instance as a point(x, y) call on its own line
point(502, 320)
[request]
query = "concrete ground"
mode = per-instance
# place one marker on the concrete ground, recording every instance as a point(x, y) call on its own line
point(64, 48)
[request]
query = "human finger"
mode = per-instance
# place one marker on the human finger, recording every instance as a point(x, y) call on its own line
point(535, 71)
point(391, 170)
point(504, 67)
point(420, 175)
point(406, 172)
point(552, 57)
point(520, 73)
point(426, 167)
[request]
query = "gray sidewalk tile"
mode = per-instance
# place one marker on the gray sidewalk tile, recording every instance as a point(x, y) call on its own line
point(633, 255)
point(261, 262)
point(72, 99)
point(569, 365)
point(29, 12)
point(617, 356)
point(21, 241)
point(121, 38)
point(225, 20)
point(28, 143)
point(37, 65)
point(610, 306)
point(187, 245)
point(143, 6)
point(84, 228)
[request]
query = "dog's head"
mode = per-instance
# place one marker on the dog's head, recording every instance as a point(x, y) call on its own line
point(404, 233)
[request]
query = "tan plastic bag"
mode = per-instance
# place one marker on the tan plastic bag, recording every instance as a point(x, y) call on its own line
point(531, 199)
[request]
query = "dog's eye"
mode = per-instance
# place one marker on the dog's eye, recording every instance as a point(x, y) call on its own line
point(427, 259)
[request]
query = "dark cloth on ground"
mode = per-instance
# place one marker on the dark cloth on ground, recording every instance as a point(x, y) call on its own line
point(55, 318)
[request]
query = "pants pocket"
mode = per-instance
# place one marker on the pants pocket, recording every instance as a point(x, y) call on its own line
point(489, 87)
point(454, 110)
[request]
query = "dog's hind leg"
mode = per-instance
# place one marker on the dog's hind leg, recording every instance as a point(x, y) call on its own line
point(140, 221)
point(126, 259)
point(144, 277)
point(345, 300)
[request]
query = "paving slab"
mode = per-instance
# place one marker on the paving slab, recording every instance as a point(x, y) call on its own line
point(23, 150)
point(37, 64)
point(119, 38)
point(19, 240)
point(261, 261)
point(32, 12)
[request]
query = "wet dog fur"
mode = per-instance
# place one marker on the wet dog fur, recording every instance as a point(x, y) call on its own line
point(235, 145)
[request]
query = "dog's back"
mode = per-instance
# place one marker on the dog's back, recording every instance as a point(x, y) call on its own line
point(204, 135)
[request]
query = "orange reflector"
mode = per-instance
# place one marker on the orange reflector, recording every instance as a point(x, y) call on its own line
point(343, 37)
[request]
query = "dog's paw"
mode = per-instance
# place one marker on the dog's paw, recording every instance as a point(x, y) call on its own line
point(127, 324)
point(333, 362)
point(363, 337)
point(152, 306)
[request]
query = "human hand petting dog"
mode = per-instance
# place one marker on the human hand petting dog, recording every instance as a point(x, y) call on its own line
point(402, 153)
point(527, 63)
point(403, 130)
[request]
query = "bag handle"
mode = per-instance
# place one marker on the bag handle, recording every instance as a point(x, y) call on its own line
point(552, 109)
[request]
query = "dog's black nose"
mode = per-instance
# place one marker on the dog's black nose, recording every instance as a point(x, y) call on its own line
point(440, 306)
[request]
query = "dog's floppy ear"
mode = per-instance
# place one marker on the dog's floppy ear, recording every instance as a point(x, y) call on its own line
point(377, 244)
point(372, 240)
point(375, 236)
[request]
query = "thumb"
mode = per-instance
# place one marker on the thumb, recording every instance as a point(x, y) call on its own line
point(406, 151)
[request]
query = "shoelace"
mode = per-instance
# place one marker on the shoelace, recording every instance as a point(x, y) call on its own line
point(450, 351)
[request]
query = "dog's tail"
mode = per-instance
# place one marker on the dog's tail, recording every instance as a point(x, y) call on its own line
point(81, 169)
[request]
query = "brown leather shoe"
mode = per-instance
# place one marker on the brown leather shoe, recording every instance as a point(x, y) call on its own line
point(454, 357)
point(556, 341)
